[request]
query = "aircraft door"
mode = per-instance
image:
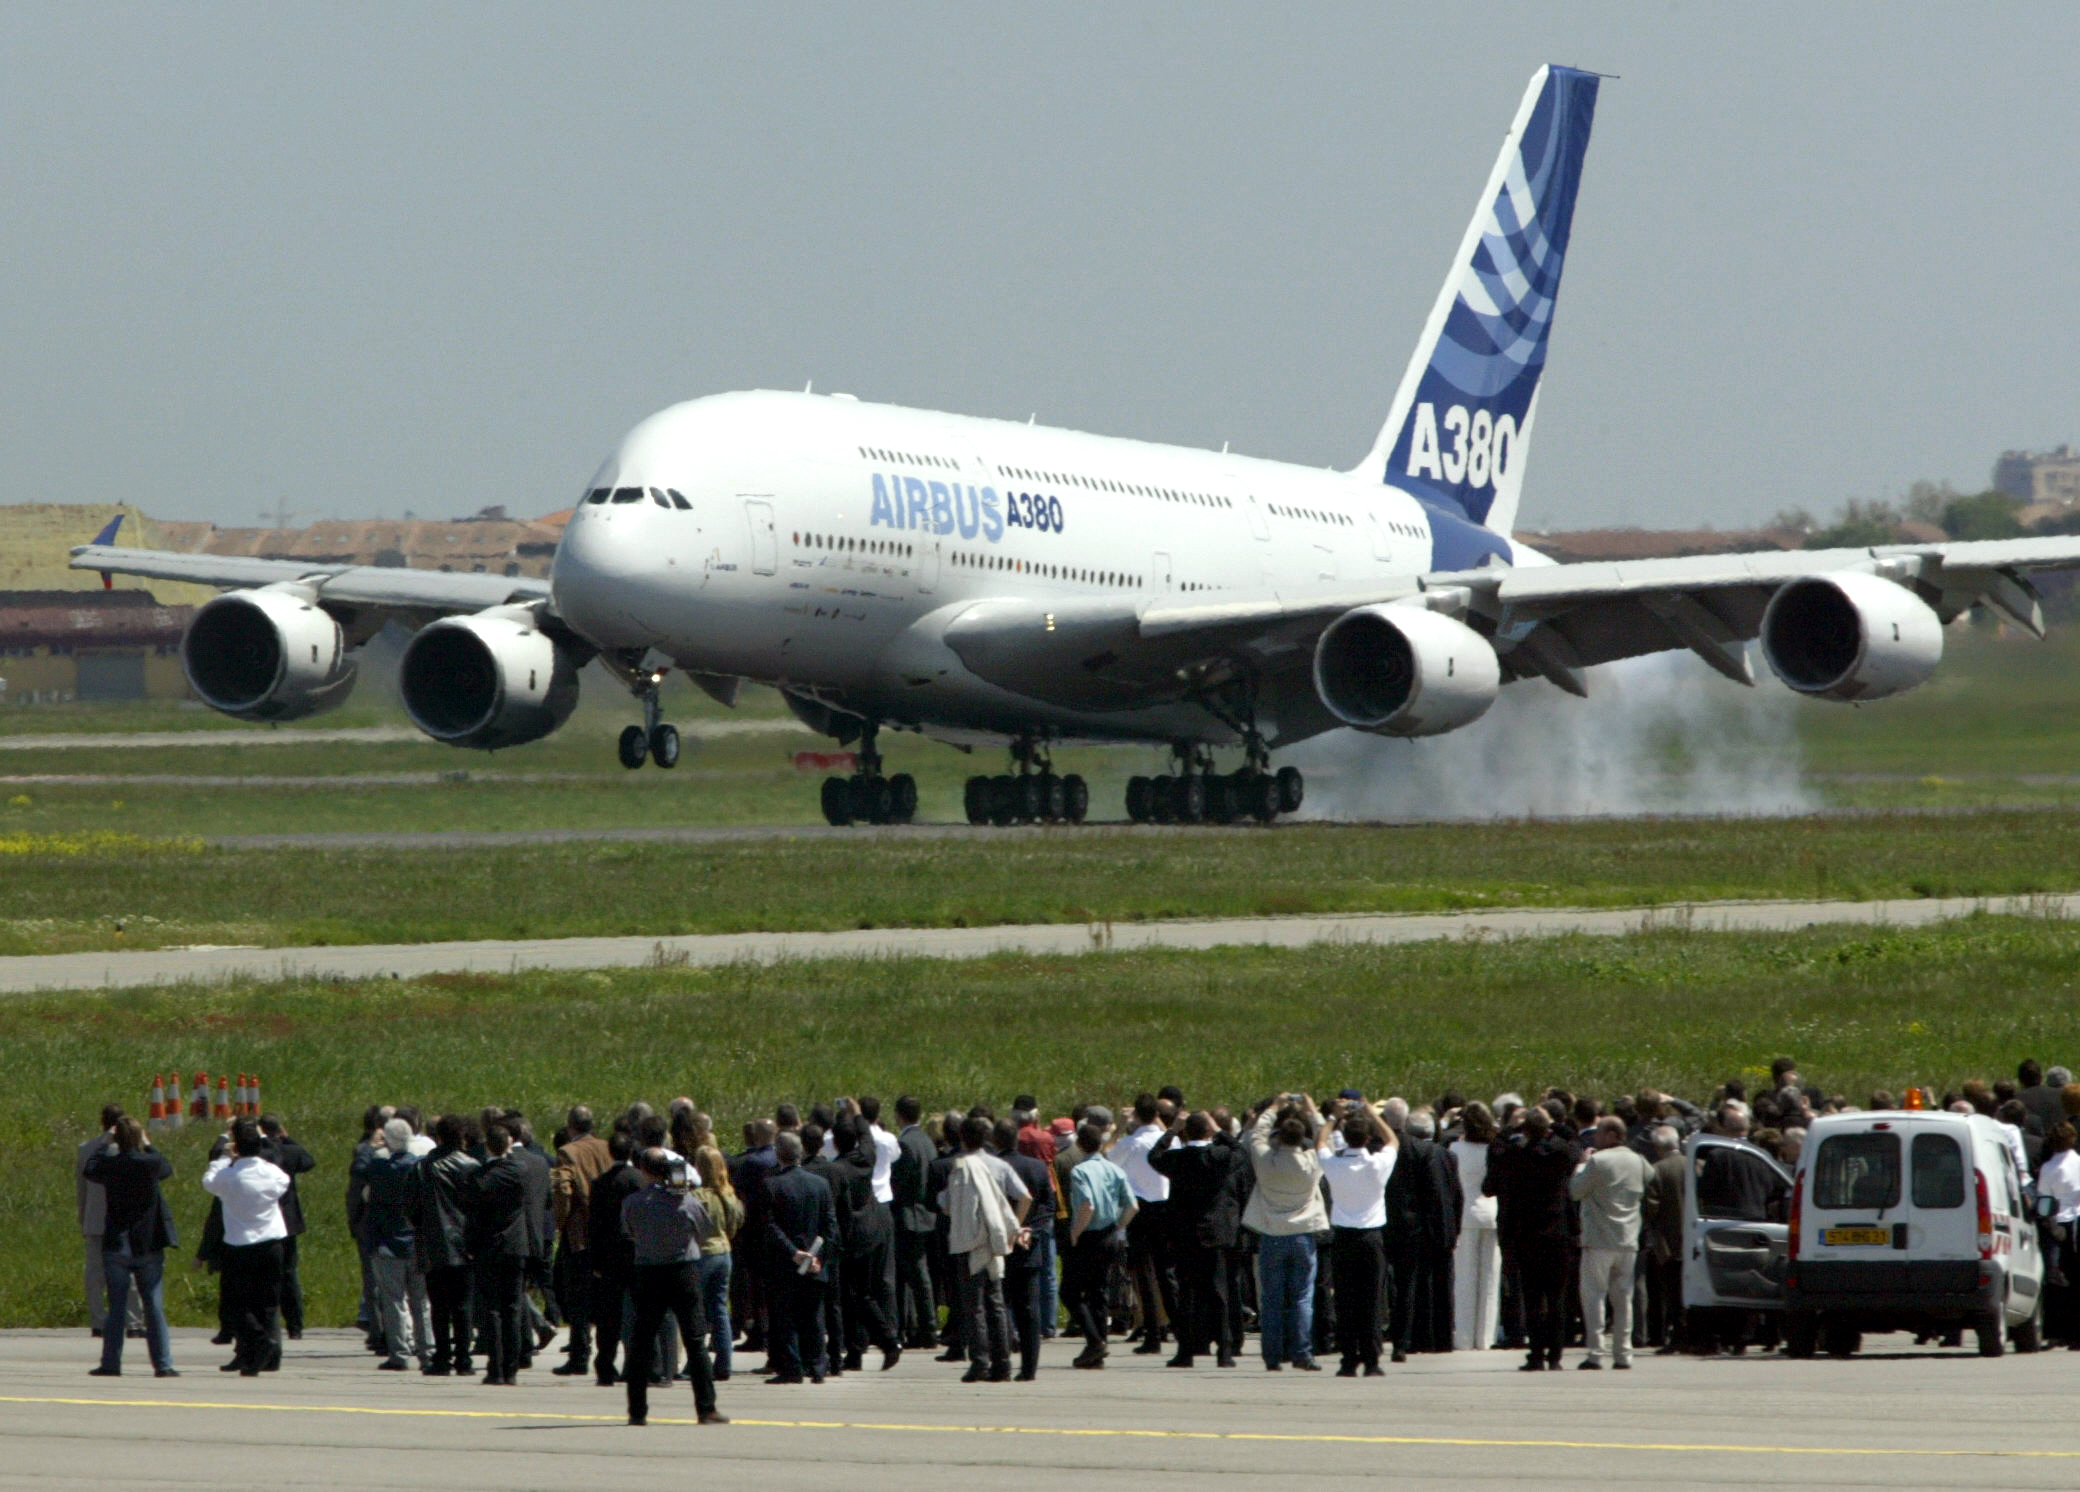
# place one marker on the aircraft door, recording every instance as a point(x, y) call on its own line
point(765, 538)
point(1159, 571)
point(1736, 1204)
point(1258, 523)
point(928, 567)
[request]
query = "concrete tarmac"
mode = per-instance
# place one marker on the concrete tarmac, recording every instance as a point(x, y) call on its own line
point(1898, 1418)
point(210, 965)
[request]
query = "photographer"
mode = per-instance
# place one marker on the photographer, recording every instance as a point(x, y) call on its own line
point(665, 1224)
point(251, 1189)
point(137, 1231)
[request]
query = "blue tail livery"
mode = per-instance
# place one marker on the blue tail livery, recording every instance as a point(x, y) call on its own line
point(1460, 424)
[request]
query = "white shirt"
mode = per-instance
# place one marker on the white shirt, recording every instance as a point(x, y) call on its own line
point(886, 1148)
point(1131, 1156)
point(2060, 1178)
point(1358, 1185)
point(2015, 1148)
point(419, 1144)
point(251, 1190)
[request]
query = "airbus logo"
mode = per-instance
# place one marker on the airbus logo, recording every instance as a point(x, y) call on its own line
point(948, 507)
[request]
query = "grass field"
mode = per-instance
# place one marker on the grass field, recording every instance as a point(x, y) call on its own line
point(93, 891)
point(1858, 1008)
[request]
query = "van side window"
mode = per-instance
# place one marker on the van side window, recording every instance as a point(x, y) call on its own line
point(1854, 1172)
point(1938, 1172)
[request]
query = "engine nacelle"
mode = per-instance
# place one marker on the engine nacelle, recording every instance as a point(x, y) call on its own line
point(1404, 671)
point(489, 680)
point(270, 654)
point(1850, 636)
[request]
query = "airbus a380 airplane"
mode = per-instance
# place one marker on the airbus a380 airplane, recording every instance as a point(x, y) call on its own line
point(991, 582)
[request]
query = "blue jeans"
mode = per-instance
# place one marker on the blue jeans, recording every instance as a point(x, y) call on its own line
point(122, 1269)
point(1285, 1296)
point(1050, 1286)
point(715, 1272)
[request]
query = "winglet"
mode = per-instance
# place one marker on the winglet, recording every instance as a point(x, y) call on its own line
point(108, 535)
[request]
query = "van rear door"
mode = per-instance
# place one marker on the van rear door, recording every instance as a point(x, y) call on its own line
point(1735, 1202)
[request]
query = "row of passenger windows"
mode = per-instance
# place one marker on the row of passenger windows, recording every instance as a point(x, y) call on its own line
point(666, 497)
point(964, 560)
point(1406, 530)
point(840, 544)
point(1287, 510)
point(876, 453)
point(1102, 484)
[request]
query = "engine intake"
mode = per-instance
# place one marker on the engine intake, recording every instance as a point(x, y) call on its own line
point(1850, 636)
point(490, 680)
point(266, 655)
point(1404, 671)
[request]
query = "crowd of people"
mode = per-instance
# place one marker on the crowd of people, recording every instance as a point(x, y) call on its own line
point(1370, 1230)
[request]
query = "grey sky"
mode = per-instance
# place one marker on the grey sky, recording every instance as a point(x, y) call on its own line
point(364, 259)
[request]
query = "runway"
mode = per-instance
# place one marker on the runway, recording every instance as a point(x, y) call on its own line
point(211, 965)
point(1466, 1420)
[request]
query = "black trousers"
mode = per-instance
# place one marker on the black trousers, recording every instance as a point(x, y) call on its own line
point(1542, 1275)
point(1150, 1259)
point(1421, 1312)
point(917, 1313)
point(1358, 1260)
point(867, 1319)
point(574, 1294)
point(292, 1289)
point(835, 1269)
point(1664, 1323)
point(447, 1301)
point(1202, 1289)
point(499, 1285)
point(607, 1305)
point(252, 1286)
point(1022, 1302)
point(674, 1290)
point(1087, 1283)
point(794, 1324)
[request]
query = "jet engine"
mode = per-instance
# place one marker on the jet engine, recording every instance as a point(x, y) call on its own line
point(1850, 636)
point(1404, 671)
point(489, 680)
point(269, 654)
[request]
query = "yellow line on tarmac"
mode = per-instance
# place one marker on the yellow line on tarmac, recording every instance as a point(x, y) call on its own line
point(1467, 1441)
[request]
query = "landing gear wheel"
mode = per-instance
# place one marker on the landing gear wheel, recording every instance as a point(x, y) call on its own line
point(635, 747)
point(975, 800)
point(1801, 1334)
point(871, 799)
point(1140, 799)
point(1292, 788)
point(1189, 795)
point(1003, 800)
point(664, 746)
point(837, 802)
point(1030, 799)
point(1259, 796)
point(1076, 798)
point(1993, 1337)
point(902, 789)
point(1054, 799)
point(1220, 799)
point(1162, 799)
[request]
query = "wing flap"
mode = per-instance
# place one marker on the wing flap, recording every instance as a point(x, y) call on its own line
point(435, 592)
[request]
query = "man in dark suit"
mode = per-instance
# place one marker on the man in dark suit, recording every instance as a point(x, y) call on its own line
point(441, 1233)
point(1424, 1203)
point(801, 1225)
point(608, 1256)
point(1023, 1295)
point(502, 1234)
point(827, 1170)
point(297, 1161)
point(869, 1234)
point(747, 1174)
point(917, 1312)
point(1201, 1209)
point(2039, 1096)
point(1527, 1176)
point(936, 1174)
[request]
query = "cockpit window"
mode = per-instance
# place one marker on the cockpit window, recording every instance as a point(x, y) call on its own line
point(657, 496)
point(679, 500)
point(597, 495)
point(628, 494)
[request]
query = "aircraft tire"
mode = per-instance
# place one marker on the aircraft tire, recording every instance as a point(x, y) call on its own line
point(903, 789)
point(1031, 799)
point(1292, 789)
point(975, 800)
point(1054, 799)
point(872, 801)
point(1191, 796)
point(664, 746)
point(837, 802)
point(1221, 797)
point(1076, 798)
point(1140, 800)
point(1162, 799)
point(634, 747)
point(1003, 800)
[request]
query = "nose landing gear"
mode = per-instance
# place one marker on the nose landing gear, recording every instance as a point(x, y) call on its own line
point(1196, 794)
point(653, 740)
point(1032, 793)
point(867, 797)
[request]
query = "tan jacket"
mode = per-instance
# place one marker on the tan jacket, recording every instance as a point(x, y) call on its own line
point(578, 1164)
point(1287, 1198)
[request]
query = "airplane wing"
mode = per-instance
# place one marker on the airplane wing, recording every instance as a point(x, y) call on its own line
point(1548, 621)
point(413, 596)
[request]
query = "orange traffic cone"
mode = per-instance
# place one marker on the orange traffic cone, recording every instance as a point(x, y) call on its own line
point(253, 1093)
point(198, 1106)
point(155, 1116)
point(176, 1106)
point(222, 1108)
point(239, 1108)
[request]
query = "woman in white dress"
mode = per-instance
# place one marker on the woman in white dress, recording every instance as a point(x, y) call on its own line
point(1477, 1264)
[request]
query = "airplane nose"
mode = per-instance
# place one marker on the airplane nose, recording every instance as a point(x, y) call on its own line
point(597, 562)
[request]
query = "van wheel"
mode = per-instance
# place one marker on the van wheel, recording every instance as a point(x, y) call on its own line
point(1801, 1333)
point(1993, 1341)
point(1841, 1339)
point(2028, 1336)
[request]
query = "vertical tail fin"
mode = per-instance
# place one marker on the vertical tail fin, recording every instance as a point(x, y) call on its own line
point(1460, 424)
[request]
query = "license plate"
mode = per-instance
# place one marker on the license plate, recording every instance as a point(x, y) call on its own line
point(1864, 1237)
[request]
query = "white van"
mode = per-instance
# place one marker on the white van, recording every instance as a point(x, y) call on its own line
point(1910, 1221)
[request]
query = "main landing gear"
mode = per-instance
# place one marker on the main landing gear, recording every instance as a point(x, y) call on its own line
point(1031, 793)
point(867, 797)
point(653, 739)
point(1196, 794)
